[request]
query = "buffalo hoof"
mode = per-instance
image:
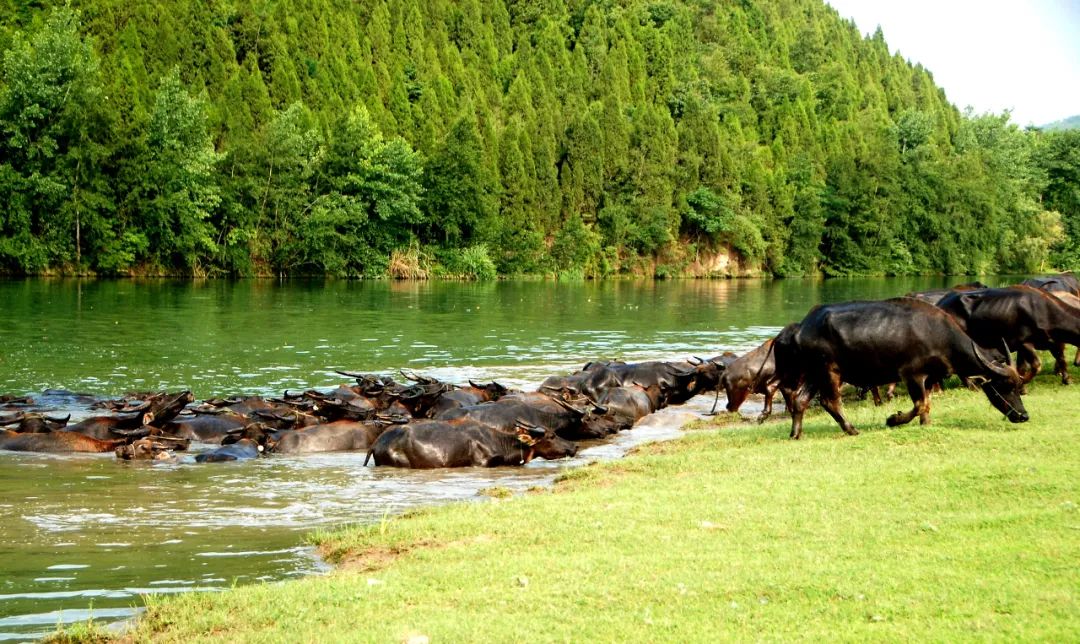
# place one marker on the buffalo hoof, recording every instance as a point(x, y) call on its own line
point(894, 420)
point(851, 431)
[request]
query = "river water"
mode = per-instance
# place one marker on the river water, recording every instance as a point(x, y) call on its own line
point(87, 535)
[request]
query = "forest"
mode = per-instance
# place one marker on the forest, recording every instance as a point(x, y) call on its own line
point(483, 138)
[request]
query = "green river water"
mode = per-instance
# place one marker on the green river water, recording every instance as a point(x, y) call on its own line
point(86, 535)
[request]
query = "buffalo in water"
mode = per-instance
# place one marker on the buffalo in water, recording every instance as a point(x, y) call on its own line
point(876, 343)
point(465, 443)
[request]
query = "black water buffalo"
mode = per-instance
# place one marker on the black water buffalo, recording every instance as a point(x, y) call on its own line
point(56, 442)
point(1024, 318)
point(579, 420)
point(752, 373)
point(206, 427)
point(474, 394)
point(430, 443)
point(1064, 282)
point(33, 423)
point(241, 405)
point(157, 410)
point(242, 449)
point(338, 436)
point(628, 404)
point(1072, 305)
point(934, 296)
point(591, 381)
point(875, 343)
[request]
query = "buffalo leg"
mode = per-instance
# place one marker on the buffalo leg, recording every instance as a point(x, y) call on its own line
point(1027, 356)
point(830, 400)
point(1076, 360)
point(917, 390)
point(1061, 365)
point(770, 392)
point(797, 401)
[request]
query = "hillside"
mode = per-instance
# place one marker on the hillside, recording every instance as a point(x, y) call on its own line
point(1070, 123)
point(570, 137)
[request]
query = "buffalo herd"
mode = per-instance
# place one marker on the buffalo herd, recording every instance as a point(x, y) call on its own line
point(971, 331)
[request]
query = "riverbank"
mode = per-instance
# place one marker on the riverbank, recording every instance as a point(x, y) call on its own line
point(965, 529)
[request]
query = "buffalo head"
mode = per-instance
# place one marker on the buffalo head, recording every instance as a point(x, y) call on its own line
point(544, 443)
point(1003, 385)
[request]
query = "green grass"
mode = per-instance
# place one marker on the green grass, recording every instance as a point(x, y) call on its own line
point(966, 529)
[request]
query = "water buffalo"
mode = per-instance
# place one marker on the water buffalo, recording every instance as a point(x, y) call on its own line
point(338, 436)
point(56, 442)
point(1072, 305)
point(33, 423)
point(1026, 319)
point(205, 427)
point(157, 410)
point(875, 343)
point(155, 448)
point(628, 404)
point(752, 373)
point(579, 420)
point(591, 381)
point(241, 405)
point(242, 449)
point(934, 296)
point(431, 443)
point(1063, 282)
point(677, 382)
point(474, 394)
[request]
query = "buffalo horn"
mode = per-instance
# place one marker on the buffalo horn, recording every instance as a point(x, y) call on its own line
point(694, 360)
point(566, 405)
point(1008, 353)
point(351, 374)
point(988, 362)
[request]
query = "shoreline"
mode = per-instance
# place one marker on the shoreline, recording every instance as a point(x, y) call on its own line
point(730, 530)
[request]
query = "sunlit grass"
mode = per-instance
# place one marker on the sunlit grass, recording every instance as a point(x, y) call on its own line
point(964, 529)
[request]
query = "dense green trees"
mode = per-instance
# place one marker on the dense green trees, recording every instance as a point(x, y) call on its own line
point(465, 138)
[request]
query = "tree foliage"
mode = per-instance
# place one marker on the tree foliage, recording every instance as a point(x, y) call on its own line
point(568, 137)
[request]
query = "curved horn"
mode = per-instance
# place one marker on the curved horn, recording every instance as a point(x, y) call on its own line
point(694, 360)
point(1008, 353)
point(989, 363)
point(57, 419)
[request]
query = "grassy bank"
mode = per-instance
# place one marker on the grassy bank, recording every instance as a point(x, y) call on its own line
point(965, 529)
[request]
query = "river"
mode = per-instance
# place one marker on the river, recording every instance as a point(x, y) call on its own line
point(87, 535)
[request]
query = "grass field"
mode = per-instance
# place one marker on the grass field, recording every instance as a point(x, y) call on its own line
point(966, 529)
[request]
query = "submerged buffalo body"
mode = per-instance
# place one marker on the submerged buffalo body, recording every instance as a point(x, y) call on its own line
point(875, 343)
point(432, 444)
point(338, 436)
point(241, 450)
point(56, 442)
